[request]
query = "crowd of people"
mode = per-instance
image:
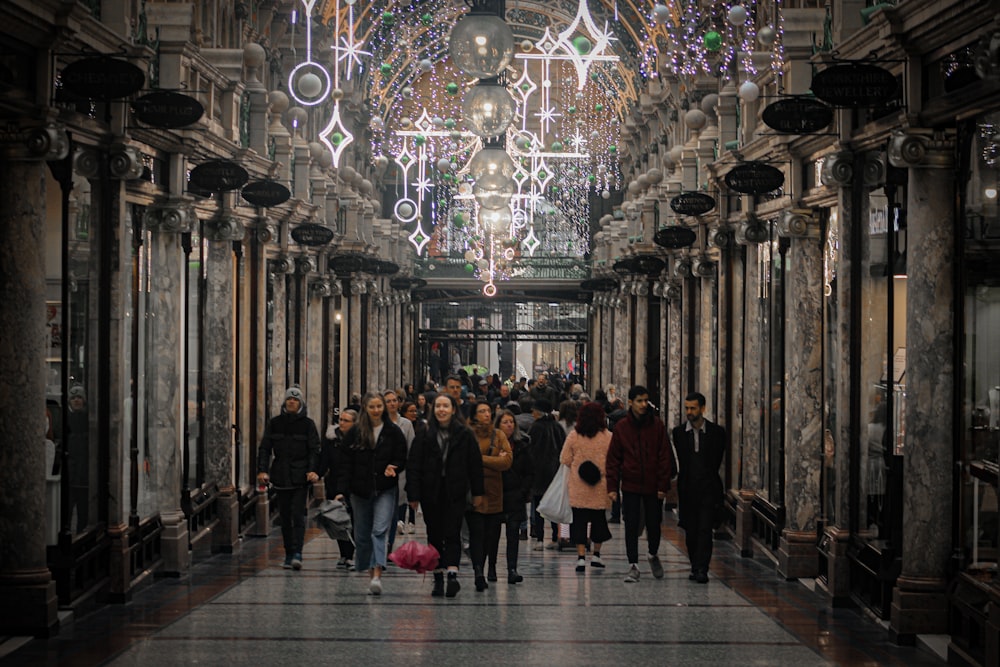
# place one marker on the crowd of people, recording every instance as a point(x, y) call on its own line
point(474, 456)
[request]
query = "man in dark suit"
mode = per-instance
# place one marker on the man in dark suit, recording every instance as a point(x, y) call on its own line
point(700, 446)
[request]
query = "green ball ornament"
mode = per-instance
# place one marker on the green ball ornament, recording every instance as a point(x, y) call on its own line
point(450, 123)
point(542, 175)
point(336, 138)
point(405, 159)
point(386, 69)
point(712, 40)
point(451, 88)
point(612, 148)
point(592, 179)
point(598, 107)
point(556, 146)
point(458, 219)
point(525, 87)
point(420, 139)
point(388, 18)
point(582, 45)
point(594, 76)
point(571, 110)
point(469, 268)
point(427, 19)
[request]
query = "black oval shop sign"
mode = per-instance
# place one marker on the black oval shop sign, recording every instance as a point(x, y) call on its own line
point(754, 178)
point(797, 115)
point(219, 176)
point(692, 203)
point(265, 193)
point(855, 85)
point(312, 234)
point(102, 78)
point(674, 237)
point(167, 109)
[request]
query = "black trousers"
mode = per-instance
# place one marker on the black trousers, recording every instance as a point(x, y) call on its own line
point(491, 533)
point(512, 521)
point(636, 506)
point(444, 528)
point(698, 518)
point(292, 508)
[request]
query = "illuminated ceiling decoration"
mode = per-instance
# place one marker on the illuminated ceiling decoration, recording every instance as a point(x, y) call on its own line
point(310, 84)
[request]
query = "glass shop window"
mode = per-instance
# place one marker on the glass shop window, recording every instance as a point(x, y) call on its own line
point(883, 362)
point(980, 443)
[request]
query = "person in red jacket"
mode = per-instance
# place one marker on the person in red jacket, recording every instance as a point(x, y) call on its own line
point(639, 461)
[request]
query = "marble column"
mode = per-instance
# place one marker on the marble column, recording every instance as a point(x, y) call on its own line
point(752, 405)
point(280, 328)
point(803, 428)
point(26, 586)
point(641, 338)
point(622, 372)
point(608, 341)
point(166, 221)
point(355, 341)
point(674, 344)
point(707, 351)
point(838, 172)
point(218, 381)
point(920, 601)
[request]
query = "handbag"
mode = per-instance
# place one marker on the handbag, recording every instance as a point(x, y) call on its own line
point(554, 504)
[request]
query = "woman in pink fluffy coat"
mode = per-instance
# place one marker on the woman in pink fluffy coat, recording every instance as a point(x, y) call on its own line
point(585, 452)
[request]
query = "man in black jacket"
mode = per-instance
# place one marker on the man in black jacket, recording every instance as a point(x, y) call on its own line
point(293, 440)
point(700, 447)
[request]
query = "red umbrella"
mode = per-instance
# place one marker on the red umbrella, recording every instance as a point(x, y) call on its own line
point(416, 556)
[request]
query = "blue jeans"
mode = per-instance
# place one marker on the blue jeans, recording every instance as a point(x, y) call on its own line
point(372, 518)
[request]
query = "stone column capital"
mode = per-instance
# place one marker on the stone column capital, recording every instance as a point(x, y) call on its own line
point(798, 223)
point(173, 215)
point(922, 148)
point(838, 169)
point(224, 227)
point(38, 143)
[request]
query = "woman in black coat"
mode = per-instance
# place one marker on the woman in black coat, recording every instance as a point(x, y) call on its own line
point(516, 489)
point(444, 468)
point(373, 454)
point(329, 463)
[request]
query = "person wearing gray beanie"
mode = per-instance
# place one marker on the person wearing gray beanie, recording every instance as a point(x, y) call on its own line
point(292, 439)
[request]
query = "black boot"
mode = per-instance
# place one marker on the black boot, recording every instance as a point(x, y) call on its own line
point(438, 590)
point(481, 584)
point(453, 586)
point(513, 577)
point(492, 575)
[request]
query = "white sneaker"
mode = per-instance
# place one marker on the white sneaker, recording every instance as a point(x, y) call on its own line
point(400, 526)
point(633, 574)
point(375, 586)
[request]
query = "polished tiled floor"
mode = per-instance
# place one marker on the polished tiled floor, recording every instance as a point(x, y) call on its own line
point(245, 610)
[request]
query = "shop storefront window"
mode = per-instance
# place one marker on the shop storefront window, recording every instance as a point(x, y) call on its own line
point(980, 520)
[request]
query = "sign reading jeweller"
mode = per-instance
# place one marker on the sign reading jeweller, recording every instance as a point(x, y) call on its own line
point(312, 234)
point(797, 115)
point(855, 85)
point(218, 176)
point(265, 193)
point(102, 78)
point(692, 203)
point(167, 109)
point(754, 178)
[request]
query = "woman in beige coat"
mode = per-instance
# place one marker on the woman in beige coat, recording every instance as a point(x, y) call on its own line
point(585, 452)
point(485, 523)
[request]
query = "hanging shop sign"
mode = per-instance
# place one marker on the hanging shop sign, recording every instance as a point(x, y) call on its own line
point(754, 178)
point(797, 115)
point(311, 234)
point(218, 176)
point(265, 193)
point(102, 78)
point(648, 265)
point(855, 85)
point(344, 265)
point(401, 283)
point(599, 285)
point(383, 267)
point(692, 203)
point(167, 109)
point(674, 237)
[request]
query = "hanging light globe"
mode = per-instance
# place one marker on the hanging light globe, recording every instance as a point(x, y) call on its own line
point(491, 161)
point(481, 43)
point(488, 109)
point(493, 191)
point(496, 220)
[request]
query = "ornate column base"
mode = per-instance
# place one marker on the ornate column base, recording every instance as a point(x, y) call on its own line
point(919, 606)
point(797, 555)
point(263, 523)
point(119, 571)
point(744, 523)
point(174, 545)
point(30, 604)
point(226, 535)
point(838, 566)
